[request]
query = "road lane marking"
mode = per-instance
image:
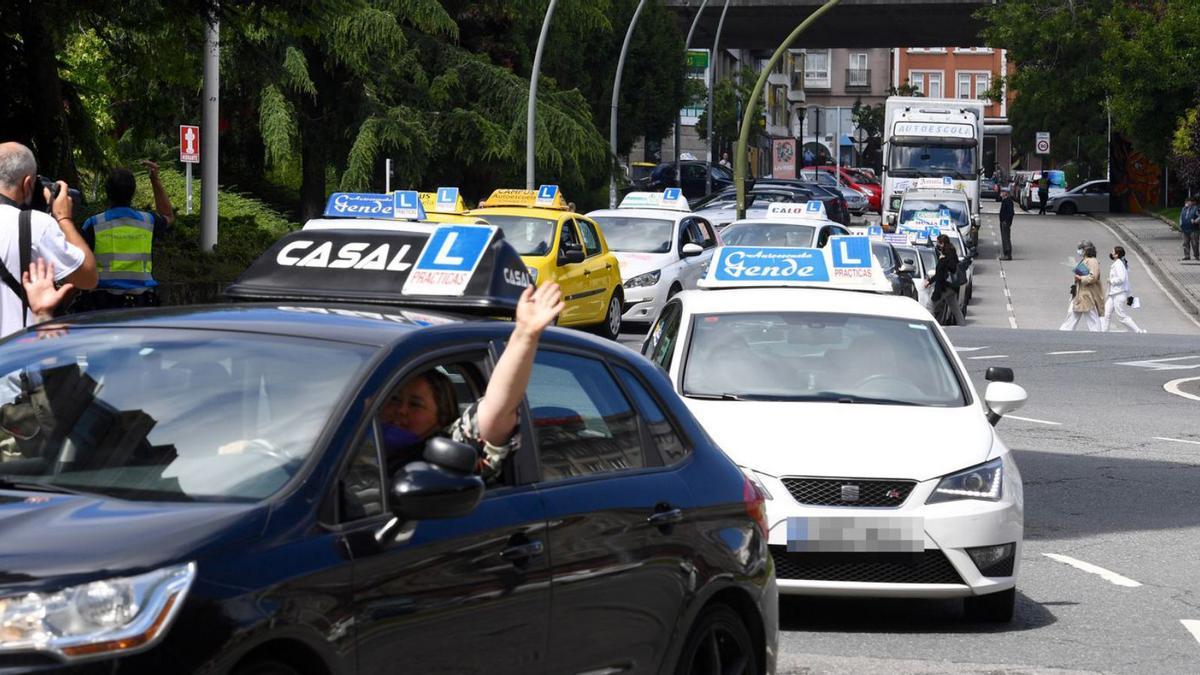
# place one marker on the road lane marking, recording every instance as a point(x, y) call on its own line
point(1107, 575)
point(1193, 627)
point(1074, 351)
point(969, 349)
point(1176, 440)
point(1002, 274)
point(1162, 364)
point(1172, 387)
point(1007, 293)
point(1012, 321)
point(1150, 273)
point(1035, 421)
point(993, 356)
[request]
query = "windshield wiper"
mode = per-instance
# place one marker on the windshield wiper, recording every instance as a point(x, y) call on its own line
point(35, 486)
point(854, 398)
point(716, 397)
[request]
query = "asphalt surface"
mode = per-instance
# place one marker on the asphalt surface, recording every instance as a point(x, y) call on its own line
point(1109, 448)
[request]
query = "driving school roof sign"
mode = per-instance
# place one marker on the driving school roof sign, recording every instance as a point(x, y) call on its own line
point(846, 263)
point(359, 205)
point(670, 199)
point(813, 209)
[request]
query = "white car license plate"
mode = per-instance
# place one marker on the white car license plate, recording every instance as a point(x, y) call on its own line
point(856, 534)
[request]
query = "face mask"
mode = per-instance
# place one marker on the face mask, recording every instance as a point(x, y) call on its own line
point(1079, 251)
point(395, 437)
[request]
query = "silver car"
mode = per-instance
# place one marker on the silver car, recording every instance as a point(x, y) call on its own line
point(1091, 197)
point(856, 202)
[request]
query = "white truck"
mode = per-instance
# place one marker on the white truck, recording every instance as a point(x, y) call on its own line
point(931, 138)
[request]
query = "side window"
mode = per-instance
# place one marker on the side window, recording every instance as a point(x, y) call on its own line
point(582, 421)
point(706, 231)
point(823, 237)
point(360, 490)
point(693, 172)
point(666, 439)
point(660, 346)
point(569, 238)
point(839, 230)
point(591, 240)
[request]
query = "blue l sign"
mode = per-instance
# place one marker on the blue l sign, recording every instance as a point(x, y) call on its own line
point(671, 194)
point(851, 251)
point(457, 248)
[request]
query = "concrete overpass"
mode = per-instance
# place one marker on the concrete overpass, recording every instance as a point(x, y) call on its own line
point(763, 24)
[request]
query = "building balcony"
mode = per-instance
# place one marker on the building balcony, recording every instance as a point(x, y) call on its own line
point(858, 80)
point(816, 81)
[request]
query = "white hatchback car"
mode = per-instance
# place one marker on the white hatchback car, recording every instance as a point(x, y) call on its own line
point(662, 247)
point(883, 473)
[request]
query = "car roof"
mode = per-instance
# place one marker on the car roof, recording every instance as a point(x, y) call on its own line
point(737, 300)
point(656, 214)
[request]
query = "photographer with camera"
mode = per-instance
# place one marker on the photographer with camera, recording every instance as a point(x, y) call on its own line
point(28, 234)
point(123, 239)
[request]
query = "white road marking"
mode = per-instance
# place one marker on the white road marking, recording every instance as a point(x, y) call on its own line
point(1012, 321)
point(1172, 387)
point(1076, 351)
point(1007, 293)
point(969, 349)
point(1010, 307)
point(1193, 627)
point(1175, 440)
point(1150, 273)
point(1035, 421)
point(1107, 575)
point(1002, 274)
point(1162, 364)
point(992, 356)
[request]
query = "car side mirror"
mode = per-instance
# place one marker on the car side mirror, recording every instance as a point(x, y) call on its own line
point(891, 219)
point(999, 374)
point(442, 486)
point(1002, 398)
point(691, 249)
point(906, 267)
point(570, 254)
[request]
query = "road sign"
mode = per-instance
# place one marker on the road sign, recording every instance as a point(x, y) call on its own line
point(697, 58)
point(189, 144)
point(1042, 144)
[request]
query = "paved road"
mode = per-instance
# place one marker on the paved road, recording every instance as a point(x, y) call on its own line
point(1109, 448)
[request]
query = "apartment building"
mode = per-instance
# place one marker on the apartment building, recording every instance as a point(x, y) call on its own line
point(966, 73)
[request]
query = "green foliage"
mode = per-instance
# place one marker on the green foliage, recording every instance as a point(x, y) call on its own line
point(729, 97)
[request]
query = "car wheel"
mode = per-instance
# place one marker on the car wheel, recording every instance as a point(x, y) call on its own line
point(1067, 209)
point(266, 666)
point(718, 643)
point(991, 608)
point(611, 327)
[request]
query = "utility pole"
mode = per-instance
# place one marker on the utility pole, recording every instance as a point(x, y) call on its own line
point(210, 122)
point(612, 121)
point(712, 87)
point(531, 114)
point(678, 115)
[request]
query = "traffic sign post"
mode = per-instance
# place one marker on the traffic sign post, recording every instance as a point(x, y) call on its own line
point(1042, 143)
point(189, 154)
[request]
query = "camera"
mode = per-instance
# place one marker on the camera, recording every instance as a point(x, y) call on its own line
point(38, 198)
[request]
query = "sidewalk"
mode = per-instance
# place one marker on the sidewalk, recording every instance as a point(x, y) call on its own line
point(1161, 248)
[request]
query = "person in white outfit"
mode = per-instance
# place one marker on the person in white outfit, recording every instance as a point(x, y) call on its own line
point(1118, 292)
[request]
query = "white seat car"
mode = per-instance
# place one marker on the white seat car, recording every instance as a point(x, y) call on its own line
point(663, 248)
point(883, 473)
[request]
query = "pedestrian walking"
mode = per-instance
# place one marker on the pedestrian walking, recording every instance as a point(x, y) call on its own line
point(1006, 220)
point(1088, 292)
point(1119, 293)
point(33, 236)
point(1043, 193)
point(1190, 228)
point(945, 282)
point(123, 239)
point(725, 161)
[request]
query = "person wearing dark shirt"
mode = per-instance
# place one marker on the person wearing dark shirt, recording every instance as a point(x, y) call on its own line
point(1006, 220)
point(945, 284)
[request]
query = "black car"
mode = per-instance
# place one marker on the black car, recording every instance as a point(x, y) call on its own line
point(693, 180)
point(896, 270)
point(723, 205)
point(208, 489)
point(835, 203)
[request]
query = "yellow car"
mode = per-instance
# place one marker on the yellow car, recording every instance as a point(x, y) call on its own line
point(563, 247)
point(445, 206)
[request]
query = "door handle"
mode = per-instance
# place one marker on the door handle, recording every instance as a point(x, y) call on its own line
point(587, 273)
point(607, 266)
point(669, 517)
point(521, 552)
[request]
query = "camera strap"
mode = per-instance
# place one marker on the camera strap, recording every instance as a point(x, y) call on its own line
point(25, 249)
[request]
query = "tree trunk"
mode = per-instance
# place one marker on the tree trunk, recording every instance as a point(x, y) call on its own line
point(51, 138)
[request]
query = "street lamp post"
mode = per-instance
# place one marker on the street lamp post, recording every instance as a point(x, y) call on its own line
point(531, 114)
point(612, 121)
point(210, 133)
point(712, 87)
point(687, 44)
point(739, 161)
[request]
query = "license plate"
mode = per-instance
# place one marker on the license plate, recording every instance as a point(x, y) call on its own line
point(856, 534)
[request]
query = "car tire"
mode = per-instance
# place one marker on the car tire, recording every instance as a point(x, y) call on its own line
point(266, 666)
point(718, 631)
point(991, 608)
point(1067, 209)
point(611, 326)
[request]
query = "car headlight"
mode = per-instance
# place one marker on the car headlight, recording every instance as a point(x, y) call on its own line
point(647, 279)
point(984, 482)
point(757, 479)
point(532, 274)
point(100, 618)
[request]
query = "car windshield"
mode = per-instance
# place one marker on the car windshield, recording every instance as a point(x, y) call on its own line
point(934, 211)
point(768, 234)
point(928, 257)
point(754, 200)
point(530, 236)
point(909, 255)
point(161, 414)
point(810, 356)
point(932, 160)
point(636, 235)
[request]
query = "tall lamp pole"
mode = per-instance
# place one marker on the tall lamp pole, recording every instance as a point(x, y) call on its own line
point(687, 44)
point(210, 119)
point(612, 120)
point(739, 161)
point(712, 87)
point(531, 114)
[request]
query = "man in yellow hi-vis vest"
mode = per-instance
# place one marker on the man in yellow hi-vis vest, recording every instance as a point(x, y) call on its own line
point(123, 239)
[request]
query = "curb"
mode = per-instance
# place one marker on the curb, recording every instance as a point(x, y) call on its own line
point(1177, 288)
point(1160, 217)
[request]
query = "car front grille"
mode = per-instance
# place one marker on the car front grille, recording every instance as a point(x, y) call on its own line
point(849, 491)
point(928, 567)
